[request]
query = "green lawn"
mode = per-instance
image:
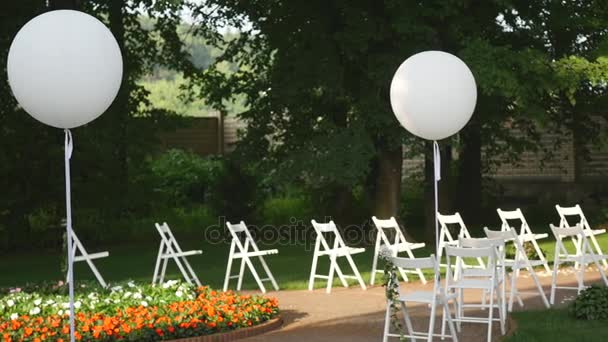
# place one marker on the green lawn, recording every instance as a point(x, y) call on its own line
point(556, 325)
point(291, 266)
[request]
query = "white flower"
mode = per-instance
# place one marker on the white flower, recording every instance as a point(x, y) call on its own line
point(137, 295)
point(14, 316)
point(131, 284)
point(65, 305)
point(77, 304)
point(148, 298)
point(60, 312)
point(37, 302)
point(179, 293)
point(169, 283)
point(127, 294)
point(35, 311)
point(116, 288)
point(144, 303)
point(10, 303)
point(49, 302)
point(92, 295)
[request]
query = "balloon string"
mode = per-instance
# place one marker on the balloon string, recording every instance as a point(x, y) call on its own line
point(69, 147)
point(436, 178)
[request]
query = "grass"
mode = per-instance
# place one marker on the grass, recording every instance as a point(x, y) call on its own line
point(291, 267)
point(556, 325)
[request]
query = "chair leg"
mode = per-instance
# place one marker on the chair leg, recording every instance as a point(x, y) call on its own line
point(375, 260)
point(228, 270)
point(157, 265)
point(255, 274)
point(356, 271)
point(387, 322)
point(446, 309)
point(432, 323)
point(163, 270)
point(597, 248)
point(313, 270)
point(554, 276)
point(332, 267)
point(408, 321)
point(490, 315)
point(543, 296)
point(241, 274)
point(268, 273)
point(540, 254)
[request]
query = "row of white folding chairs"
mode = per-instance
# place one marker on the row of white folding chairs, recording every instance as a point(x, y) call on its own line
point(492, 278)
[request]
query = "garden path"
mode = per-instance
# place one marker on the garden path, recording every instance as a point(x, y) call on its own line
point(351, 314)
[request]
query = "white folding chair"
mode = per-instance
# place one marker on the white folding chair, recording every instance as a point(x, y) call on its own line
point(564, 212)
point(520, 261)
point(245, 250)
point(582, 256)
point(525, 233)
point(338, 249)
point(489, 279)
point(169, 249)
point(398, 244)
point(446, 239)
point(433, 298)
point(84, 256)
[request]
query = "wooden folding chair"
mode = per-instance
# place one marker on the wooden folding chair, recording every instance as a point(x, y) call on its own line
point(520, 261)
point(169, 249)
point(582, 256)
point(338, 249)
point(525, 233)
point(85, 256)
point(564, 212)
point(398, 244)
point(446, 239)
point(244, 251)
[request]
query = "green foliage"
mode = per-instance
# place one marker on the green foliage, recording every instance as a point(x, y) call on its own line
point(285, 210)
point(183, 177)
point(235, 194)
point(591, 304)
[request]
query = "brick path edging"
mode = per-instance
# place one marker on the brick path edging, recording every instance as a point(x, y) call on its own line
point(236, 334)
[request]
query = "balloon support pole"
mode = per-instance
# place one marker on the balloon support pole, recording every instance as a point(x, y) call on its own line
point(68, 203)
point(436, 178)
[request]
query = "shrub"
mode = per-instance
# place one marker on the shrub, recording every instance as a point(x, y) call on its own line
point(591, 304)
point(131, 313)
point(285, 210)
point(184, 177)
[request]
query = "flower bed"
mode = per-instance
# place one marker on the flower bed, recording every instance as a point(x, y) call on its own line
point(131, 313)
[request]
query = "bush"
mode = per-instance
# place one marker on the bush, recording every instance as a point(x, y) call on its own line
point(184, 178)
point(285, 210)
point(131, 312)
point(234, 193)
point(591, 304)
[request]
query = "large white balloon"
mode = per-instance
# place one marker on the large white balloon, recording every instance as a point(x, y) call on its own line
point(433, 94)
point(65, 68)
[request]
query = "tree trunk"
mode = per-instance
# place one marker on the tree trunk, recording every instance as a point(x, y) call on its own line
point(120, 107)
point(469, 176)
point(388, 183)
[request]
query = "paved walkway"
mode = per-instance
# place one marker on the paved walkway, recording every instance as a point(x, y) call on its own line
point(356, 315)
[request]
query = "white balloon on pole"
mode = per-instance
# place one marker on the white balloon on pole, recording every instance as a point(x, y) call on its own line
point(433, 94)
point(64, 68)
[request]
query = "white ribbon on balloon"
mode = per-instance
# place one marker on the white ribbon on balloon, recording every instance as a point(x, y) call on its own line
point(69, 147)
point(436, 178)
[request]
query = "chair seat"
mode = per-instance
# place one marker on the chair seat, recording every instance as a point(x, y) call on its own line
point(425, 297)
point(404, 246)
point(588, 258)
point(529, 237)
point(258, 253)
point(521, 264)
point(471, 284)
point(343, 251)
point(589, 232)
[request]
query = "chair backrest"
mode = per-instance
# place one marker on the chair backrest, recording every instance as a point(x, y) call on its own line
point(445, 220)
point(167, 237)
point(576, 210)
point(579, 239)
point(419, 263)
point(390, 225)
point(480, 242)
point(329, 227)
point(489, 253)
point(513, 215)
point(241, 228)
